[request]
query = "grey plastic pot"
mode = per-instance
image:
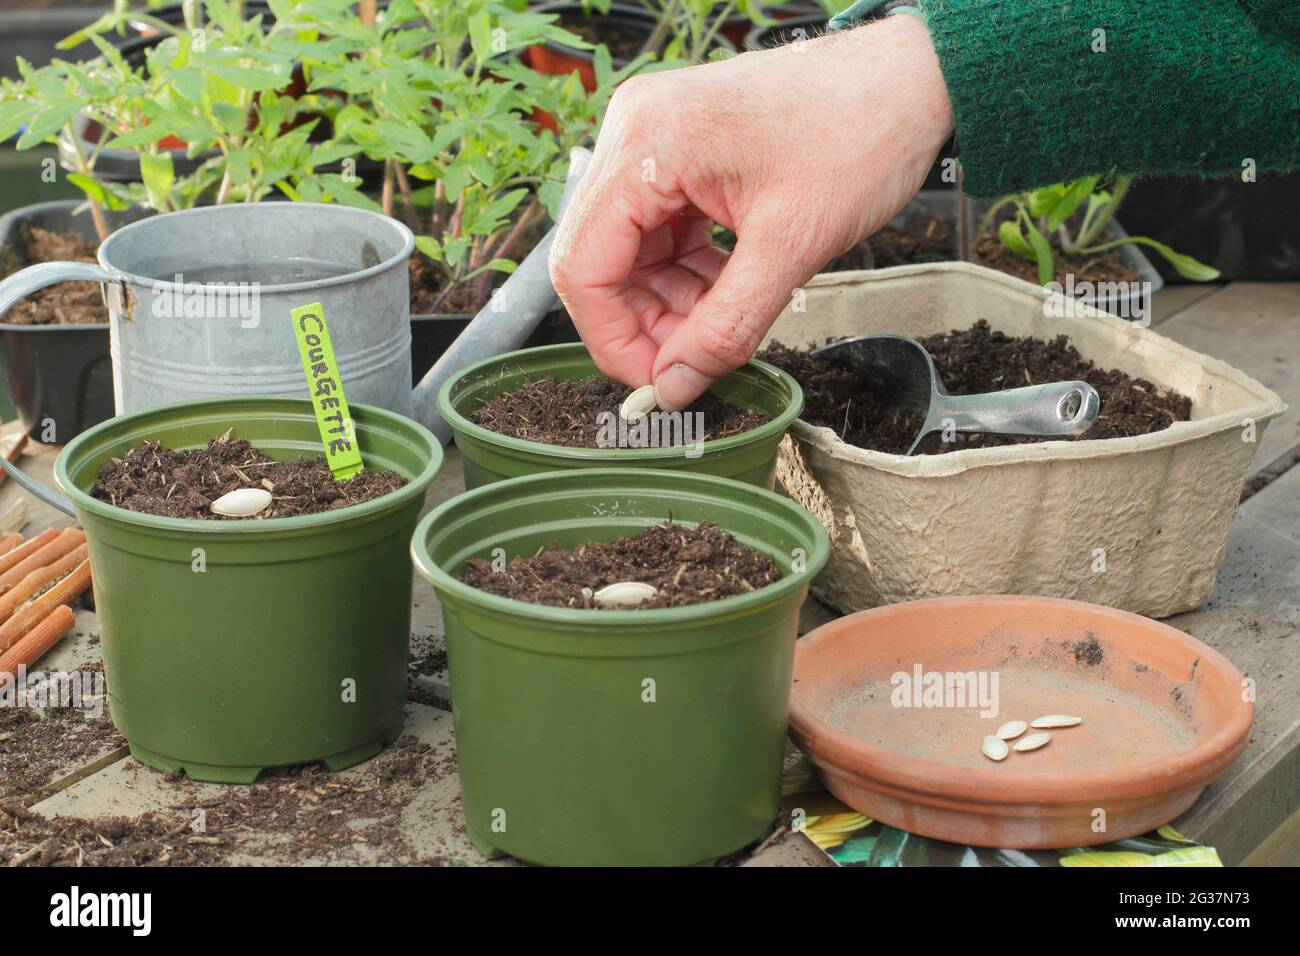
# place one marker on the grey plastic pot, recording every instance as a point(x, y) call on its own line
point(59, 377)
point(490, 456)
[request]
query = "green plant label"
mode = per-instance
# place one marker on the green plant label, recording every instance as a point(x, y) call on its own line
point(326, 388)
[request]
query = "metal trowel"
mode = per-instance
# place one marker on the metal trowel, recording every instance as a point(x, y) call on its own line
point(903, 375)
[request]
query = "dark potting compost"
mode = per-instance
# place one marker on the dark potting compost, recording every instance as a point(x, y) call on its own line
point(922, 239)
point(565, 412)
point(988, 250)
point(68, 303)
point(934, 239)
point(971, 361)
point(687, 565)
point(151, 479)
point(624, 39)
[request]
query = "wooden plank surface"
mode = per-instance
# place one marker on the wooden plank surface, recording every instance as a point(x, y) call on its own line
point(407, 812)
point(73, 742)
point(1253, 617)
point(1255, 327)
point(1173, 299)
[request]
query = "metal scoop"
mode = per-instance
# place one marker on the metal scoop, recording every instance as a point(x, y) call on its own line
point(908, 379)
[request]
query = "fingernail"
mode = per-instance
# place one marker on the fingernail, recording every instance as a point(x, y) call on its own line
point(679, 385)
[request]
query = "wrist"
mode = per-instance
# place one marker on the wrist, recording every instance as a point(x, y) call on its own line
point(903, 41)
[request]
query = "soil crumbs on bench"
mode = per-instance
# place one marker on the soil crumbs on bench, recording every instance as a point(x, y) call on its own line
point(688, 565)
point(565, 412)
point(68, 303)
point(293, 815)
point(970, 361)
point(39, 745)
point(155, 480)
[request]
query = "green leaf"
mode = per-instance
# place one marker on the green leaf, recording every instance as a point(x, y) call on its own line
point(454, 249)
point(1075, 194)
point(158, 175)
point(429, 246)
point(1042, 201)
point(502, 265)
point(1188, 267)
point(480, 35)
point(1043, 255)
point(91, 187)
point(249, 78)
point(1011, 236)
point(144, 136)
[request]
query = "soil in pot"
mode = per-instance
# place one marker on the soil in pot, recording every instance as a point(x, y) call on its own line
point(934, 239)
point(686, 565)
point(1101, 267)
point(921, 239)
point(623, 38)
point(570, 413)
point(971, 361)
point(428, 278)
point(68, 303)
point(151, 479)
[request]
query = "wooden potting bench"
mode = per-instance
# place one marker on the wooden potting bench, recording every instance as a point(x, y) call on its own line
point(1251, 814)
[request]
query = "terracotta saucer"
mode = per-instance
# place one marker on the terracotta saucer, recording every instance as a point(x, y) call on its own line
point(892, 704)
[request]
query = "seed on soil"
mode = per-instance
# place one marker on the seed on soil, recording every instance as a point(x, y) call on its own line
point(995, 748)
point(242, 502)
point(685, 565)
point(625, 594)
point(639, 404)
point(1033, 742)
point(1011, 729)
point(1055, 720)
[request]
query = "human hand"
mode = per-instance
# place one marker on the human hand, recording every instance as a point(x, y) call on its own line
point(802, 152)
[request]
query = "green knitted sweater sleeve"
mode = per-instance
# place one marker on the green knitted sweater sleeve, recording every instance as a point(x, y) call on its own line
point(1041, 94)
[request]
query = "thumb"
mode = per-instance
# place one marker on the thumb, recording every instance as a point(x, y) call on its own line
point(727, 324)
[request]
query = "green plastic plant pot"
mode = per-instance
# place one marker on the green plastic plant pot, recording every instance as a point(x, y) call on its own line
point(596, 738)
point(233, 646)
point(489, 456)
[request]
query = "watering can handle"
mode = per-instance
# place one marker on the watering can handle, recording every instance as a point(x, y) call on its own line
point(24, 282)
point(44, 493)
point(13, 290)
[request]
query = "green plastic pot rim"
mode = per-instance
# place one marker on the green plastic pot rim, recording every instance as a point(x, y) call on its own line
point(414, 488)
point(563, 453)
point(585, 619)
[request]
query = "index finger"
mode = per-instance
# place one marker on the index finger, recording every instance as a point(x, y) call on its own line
point(594, 254)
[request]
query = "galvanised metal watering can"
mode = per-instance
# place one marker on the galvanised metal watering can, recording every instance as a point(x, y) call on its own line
point(199, 304)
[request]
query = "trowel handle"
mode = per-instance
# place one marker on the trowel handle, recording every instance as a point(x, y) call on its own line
point(15, 288)
point(1057, 408)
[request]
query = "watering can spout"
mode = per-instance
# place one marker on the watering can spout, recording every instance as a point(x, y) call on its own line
point(506, 321)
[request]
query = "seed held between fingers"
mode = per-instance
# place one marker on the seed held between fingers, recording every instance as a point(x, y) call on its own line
point(639, 404)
